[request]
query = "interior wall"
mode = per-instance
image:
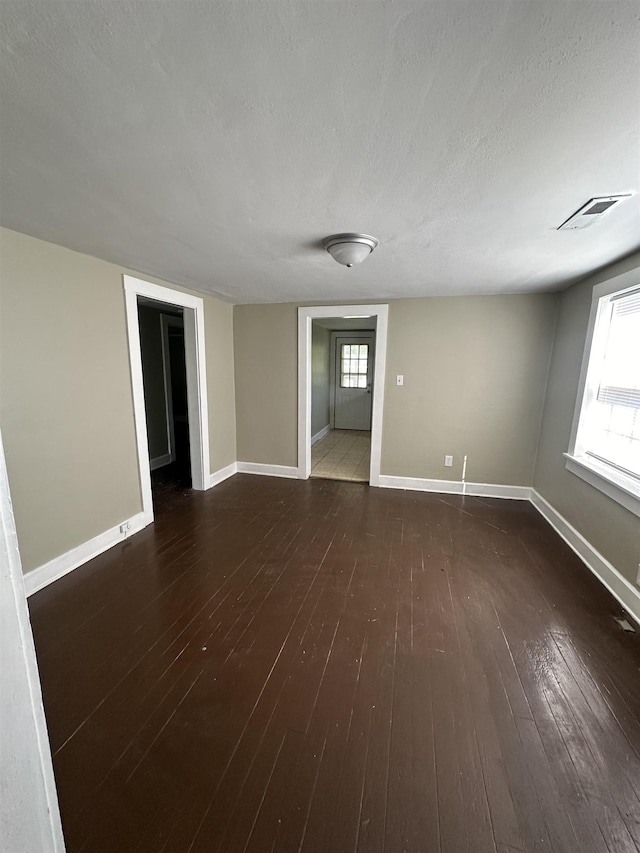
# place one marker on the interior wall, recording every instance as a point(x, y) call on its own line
point(66, 403)
point(474, 373)
point(218, 330)
point(320, 378)
point(266, 370)
point(474, 370)
point(155, 398)
point(613, 530)
point(66, 408)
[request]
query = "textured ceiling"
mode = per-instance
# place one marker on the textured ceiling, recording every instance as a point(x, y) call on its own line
point(214, 144)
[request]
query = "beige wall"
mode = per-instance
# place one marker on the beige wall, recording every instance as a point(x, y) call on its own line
point(65, 395)
point(266, 368)
point(474, 376)
point(218, 330)
point(613, 530)
point(475, 371)
point(320, 380)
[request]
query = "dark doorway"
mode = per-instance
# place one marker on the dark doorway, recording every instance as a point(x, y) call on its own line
point(165, 392)
point(180, 468)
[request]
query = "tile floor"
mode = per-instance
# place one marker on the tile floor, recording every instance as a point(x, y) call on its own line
point(344, 454)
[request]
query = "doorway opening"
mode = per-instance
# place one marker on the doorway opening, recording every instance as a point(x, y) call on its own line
point(164, 375)
point(342, 370)
point(341, 362)
point(168, 374)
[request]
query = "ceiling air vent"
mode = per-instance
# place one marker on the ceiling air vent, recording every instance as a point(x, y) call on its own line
point(592, 211)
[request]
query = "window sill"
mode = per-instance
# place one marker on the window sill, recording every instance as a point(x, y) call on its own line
point(619, 487)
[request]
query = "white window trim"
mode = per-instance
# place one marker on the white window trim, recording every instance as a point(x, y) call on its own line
point(616, 484)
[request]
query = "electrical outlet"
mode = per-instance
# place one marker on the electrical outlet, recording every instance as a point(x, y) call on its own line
point(448, 461)
point(400, 379)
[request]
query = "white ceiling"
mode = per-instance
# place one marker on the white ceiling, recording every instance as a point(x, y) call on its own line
point(214, 144)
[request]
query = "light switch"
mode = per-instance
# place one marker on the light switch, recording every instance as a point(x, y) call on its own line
point(400, 379)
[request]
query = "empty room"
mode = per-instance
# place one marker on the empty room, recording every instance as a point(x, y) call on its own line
point(320, 411)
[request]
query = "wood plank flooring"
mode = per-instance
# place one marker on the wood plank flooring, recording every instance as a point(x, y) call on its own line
point(322, 667)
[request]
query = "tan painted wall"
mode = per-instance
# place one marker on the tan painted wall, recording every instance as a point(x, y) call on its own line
point(474, 377)
point(218, 329)
point(320, 379)
point(65, 394)
point(266, 368)
point(609, 527)
point(475, 371)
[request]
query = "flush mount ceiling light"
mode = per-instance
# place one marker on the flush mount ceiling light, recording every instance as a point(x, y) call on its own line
point(349, 249)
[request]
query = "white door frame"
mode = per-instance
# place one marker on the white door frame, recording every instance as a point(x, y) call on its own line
point(196, 382)
point(305, 317)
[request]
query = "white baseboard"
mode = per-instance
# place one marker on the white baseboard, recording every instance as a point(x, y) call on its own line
point(268, 470)
point(321, 434)
point(38, 578)
point(222, 474)
point(455, 487)
point(160, 461)
point(621, 589)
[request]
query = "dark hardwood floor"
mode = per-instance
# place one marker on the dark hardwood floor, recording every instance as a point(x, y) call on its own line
point(321, 667)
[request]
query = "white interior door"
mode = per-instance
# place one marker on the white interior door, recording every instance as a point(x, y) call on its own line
point(353, 381)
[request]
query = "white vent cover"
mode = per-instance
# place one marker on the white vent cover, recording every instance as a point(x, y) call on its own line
point(592, 211)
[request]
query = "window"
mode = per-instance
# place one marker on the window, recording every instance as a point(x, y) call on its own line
point(354, 359)
point(605, 449)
